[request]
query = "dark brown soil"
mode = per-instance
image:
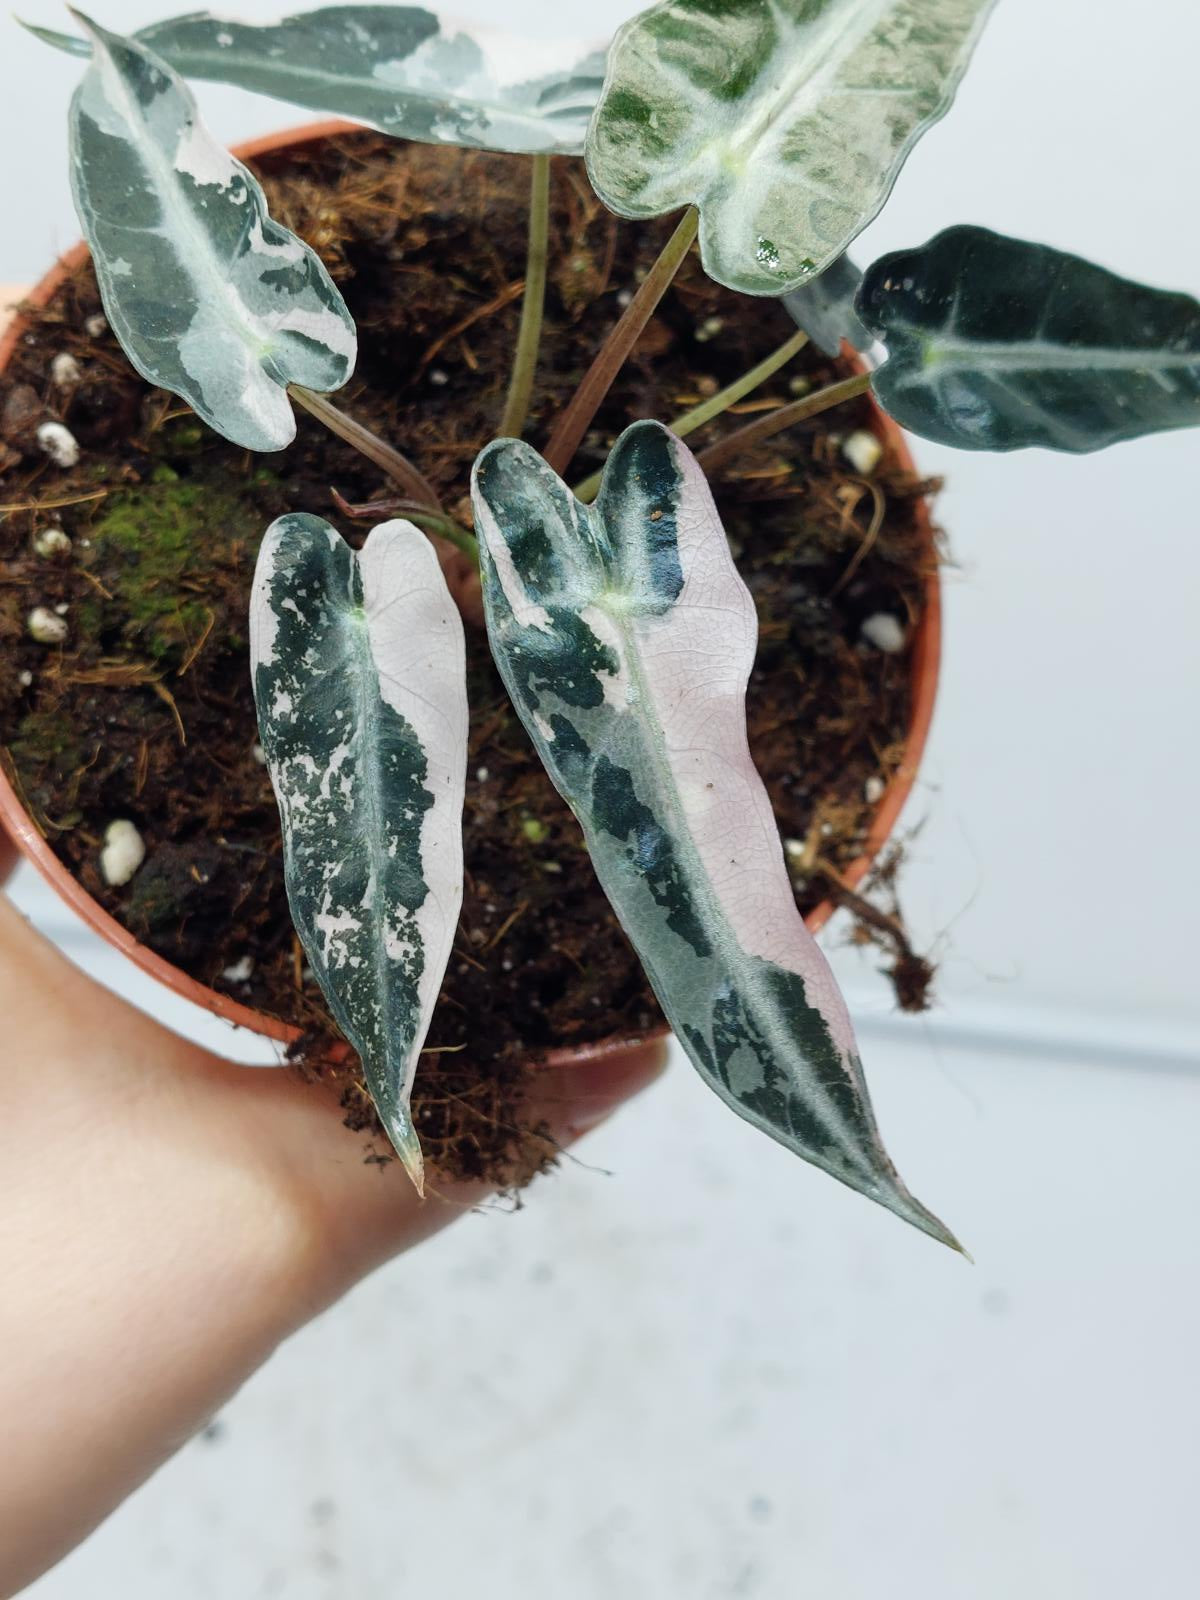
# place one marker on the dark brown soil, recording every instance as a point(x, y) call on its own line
point(146, 712)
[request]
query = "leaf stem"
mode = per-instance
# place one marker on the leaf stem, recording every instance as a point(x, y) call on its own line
point(445, 528)
point(397, 466)
point(520, 384)
point(589, 397)
point(716, 455)
point(688, 421)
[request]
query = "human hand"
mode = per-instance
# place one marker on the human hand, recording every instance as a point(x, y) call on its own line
point(167, 1217)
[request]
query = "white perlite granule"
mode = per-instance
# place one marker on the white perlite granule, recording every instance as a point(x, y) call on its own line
point(51, 542)
point(45, 627)
point(123, 853)
point(863, 451)
point(65, 371)
point(885, 632)
point(59, 443)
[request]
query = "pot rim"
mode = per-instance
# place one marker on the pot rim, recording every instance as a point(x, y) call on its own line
point(925, 667)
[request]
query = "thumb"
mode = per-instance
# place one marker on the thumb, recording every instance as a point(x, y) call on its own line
point(574, 1099)
point(369, 1214)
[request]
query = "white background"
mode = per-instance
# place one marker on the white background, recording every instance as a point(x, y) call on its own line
point(695, 1368)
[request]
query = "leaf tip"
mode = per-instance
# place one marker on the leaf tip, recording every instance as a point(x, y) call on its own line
point(921, 1217)
point(408, 1147)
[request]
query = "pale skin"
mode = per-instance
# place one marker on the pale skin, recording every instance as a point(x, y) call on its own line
point(167, 1218)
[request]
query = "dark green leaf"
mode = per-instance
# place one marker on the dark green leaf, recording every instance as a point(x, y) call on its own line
point(997, 344)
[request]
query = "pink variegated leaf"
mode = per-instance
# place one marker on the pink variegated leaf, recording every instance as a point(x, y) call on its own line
point(626, 638)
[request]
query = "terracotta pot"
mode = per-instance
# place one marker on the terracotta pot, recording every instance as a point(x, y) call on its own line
point(926, 654)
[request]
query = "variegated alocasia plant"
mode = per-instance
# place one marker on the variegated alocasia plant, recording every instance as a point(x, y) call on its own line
point(360, 679)
point(402, 69)
point(209, 297)
point(784, 121)
point(621, 628)
point(625, 638)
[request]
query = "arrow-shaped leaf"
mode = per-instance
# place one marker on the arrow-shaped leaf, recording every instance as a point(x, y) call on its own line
point(996, 344)
point(785, 121)
point(208, 296)
point(825, 310)
point(626, 637)
point(360, 682)
point(403, 69)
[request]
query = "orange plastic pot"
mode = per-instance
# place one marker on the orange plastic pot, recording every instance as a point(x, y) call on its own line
point(926, 654)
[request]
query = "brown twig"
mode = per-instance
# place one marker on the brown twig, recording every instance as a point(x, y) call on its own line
point(507, 295)
point(190, 661)
point(868, 540)
point(53, 505)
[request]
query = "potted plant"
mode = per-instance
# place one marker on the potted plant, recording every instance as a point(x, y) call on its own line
point(615, 611)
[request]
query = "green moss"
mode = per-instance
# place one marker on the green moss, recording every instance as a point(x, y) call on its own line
point(159, 550)
point(47, 747)
point(183, 436)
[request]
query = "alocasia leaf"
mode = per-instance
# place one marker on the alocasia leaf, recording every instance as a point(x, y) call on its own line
point(996, 344)
point(825, 310)
point(403, 69)
point(784, 121)
point(625, 637)
point(360, 682)
point(208, 296)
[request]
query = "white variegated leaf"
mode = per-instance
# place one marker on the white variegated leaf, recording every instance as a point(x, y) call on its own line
point(360, 682)
point(209, 297)
point(406, 70)
point(784, 121)
point(626, 637)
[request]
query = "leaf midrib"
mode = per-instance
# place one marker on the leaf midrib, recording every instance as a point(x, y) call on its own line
point(959, 354)
point(167, 176)
point(370, 734)
point(803, 85)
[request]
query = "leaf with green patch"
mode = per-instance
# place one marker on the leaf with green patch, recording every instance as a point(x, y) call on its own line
point(403, 69)
point(626, 637)
point(360, 682)
point(997, 344)
point(825, 310)
point(209, 297)
point(785, 121)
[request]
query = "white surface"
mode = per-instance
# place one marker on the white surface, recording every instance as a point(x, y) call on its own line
point(714, 1373)
point(707, 1372)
